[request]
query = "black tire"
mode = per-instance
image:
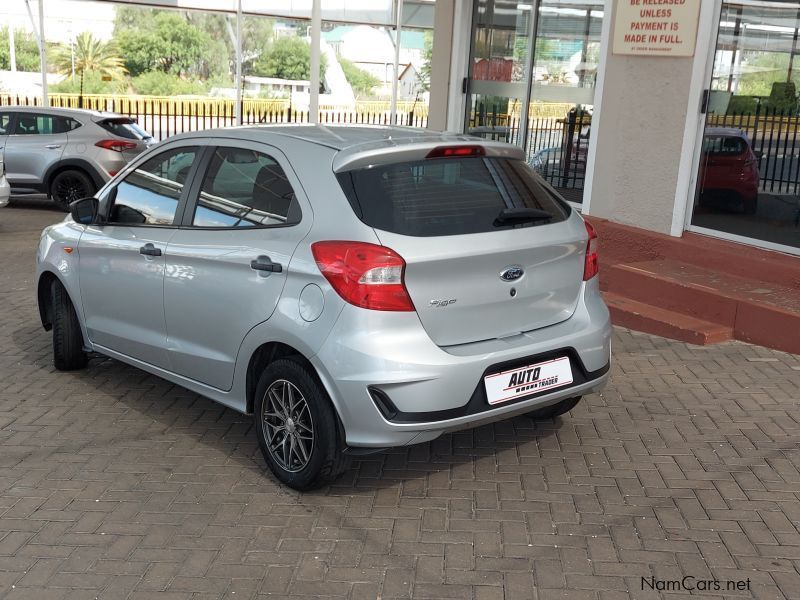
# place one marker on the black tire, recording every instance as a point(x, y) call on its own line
point(749, 207)
point(555, 410)
point(68, 353)
point(70, 185)
point(326, 460)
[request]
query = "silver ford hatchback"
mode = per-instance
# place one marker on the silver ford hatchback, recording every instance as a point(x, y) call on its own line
point(353, 288)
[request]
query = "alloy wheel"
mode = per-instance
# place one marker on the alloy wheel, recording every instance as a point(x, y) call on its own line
point(70, 188)
point(288, 425)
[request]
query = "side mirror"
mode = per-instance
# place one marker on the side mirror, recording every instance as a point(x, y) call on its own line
point(84, 211)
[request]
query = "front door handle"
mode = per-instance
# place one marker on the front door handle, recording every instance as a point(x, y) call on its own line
point(53, 146)
point(264, 263)
point(150, 250)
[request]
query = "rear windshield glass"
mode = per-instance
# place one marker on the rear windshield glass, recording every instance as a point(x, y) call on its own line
point(723, 145)
point(124, 128)
point(450, 196)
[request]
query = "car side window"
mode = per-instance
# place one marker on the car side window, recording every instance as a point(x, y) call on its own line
point(5, 123)
point(33, 124)
point(150, 194)
point(245, 188)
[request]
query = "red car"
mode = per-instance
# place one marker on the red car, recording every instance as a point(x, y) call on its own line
point(728, 169)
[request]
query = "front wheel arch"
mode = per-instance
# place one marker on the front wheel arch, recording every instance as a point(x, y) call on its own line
point(45, 300)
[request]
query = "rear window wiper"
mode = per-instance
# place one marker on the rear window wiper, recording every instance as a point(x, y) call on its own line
point(521, 215)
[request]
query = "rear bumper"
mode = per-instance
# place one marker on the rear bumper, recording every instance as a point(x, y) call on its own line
point(393, 386)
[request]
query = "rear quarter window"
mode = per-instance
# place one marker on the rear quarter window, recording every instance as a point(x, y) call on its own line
point(124, 128)
point(448, 196)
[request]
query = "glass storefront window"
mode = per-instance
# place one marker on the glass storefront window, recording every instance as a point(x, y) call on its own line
point(499, 67)
point(748, 181)
point(543, 53)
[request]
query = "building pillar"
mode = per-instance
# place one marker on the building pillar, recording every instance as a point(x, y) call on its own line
point(440, 64)
point(645, 129)
point(452, 30)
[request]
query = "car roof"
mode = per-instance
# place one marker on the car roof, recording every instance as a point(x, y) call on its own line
point(337, 137)
point(356, 145)
point(725, 131)
point(61, 111)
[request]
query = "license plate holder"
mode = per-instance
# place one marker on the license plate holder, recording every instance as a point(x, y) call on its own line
point(526, 380)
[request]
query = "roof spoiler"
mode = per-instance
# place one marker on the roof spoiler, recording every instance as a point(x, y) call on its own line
point(394, 151)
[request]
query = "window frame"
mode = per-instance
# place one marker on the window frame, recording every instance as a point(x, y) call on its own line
point(35, 114)
point(202, 170)
point(108, 197)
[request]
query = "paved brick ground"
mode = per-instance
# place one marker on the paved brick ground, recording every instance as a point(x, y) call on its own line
point(115, 484)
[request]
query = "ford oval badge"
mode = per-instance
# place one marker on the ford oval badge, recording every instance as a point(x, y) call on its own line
point(512, 273)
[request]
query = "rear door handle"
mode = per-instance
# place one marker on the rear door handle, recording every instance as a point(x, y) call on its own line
point(150, 250)
point(264, 263)
point(53, 146)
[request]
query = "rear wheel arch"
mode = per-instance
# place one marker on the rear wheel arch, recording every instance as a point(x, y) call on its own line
point(73, 164)
point(268, 353)
point(261, 358)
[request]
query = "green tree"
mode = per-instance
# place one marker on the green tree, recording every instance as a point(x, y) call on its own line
point(219, 56)
point(164, 41)
point(760, 70)
point(360, 80)
point(288, 58)
point(27, 50)
point(89, 55)
point(427, 56)
point(256, 37)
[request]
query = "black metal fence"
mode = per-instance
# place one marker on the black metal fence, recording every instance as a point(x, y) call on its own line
point(556, 147)
point(163, 117)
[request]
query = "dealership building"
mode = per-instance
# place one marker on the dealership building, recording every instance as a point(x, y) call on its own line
point(667, 84)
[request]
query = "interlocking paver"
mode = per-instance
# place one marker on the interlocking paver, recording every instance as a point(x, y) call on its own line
point(115, 484)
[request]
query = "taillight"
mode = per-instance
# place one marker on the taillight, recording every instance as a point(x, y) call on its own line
point(116, 145)
point(590, 264)
point(365, 275)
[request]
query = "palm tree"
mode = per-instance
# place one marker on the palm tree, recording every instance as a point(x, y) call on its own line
point(90, 54)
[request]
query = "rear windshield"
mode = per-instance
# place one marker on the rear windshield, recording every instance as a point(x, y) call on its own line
point(723, 145)
point(124, 128)
point(449, 196)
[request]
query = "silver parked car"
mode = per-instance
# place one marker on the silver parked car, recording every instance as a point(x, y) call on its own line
point(66, 153)
point(353, 288)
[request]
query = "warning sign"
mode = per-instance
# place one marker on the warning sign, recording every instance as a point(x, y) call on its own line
point(656, 27)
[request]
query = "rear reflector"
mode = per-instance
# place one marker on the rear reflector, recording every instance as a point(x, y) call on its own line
point(591, 265)
point(460, 151)
point(365, 275)
point(116, 145)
